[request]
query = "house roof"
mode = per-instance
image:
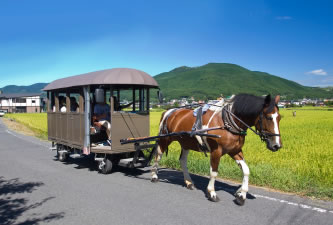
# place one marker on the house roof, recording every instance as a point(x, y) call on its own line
point(116, 76)
point(18, 95)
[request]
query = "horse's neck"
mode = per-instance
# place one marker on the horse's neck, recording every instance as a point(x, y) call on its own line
point(249, 120)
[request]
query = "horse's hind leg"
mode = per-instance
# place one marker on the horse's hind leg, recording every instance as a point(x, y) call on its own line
point(183, 163)
point(154, 170)
point(242, 191)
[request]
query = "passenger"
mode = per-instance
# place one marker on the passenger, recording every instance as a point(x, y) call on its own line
point(62, 104)
point(102, 117)
point(74, 105)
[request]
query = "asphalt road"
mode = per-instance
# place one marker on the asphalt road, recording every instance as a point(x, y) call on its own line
point(35, 188)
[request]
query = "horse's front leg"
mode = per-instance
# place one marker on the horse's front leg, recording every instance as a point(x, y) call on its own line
point(183, 163)
point(242, 191)
point(214, 166)
point(154, 169)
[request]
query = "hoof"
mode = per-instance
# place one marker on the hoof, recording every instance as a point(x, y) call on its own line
point(239, 200)
point(213, 199)
point(154, 180)
point(191, 187)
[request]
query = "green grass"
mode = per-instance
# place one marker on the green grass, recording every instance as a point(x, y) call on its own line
point(303, 165)
point(37, 122)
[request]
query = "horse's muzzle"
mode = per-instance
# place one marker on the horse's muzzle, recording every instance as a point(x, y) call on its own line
point(273, 147)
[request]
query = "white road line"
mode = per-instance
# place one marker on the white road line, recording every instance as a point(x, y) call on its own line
point(36, 143)
point(294, 204)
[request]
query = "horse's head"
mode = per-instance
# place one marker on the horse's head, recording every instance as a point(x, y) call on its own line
point(268, 123)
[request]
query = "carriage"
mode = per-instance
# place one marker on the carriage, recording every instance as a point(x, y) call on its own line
point(71, 129)
point(222, 130)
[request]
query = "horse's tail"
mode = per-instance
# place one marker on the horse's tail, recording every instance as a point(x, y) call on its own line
point(163, 129)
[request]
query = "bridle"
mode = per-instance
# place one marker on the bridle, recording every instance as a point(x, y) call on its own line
point(264, 135)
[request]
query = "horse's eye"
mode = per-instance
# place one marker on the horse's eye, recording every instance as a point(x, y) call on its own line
point(269, 118)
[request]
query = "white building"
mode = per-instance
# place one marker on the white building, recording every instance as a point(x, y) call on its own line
point(21, 103)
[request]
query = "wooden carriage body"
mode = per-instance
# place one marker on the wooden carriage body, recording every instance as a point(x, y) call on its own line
point(71, 130)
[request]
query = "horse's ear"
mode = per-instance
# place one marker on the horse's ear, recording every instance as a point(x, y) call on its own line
point(268, 100)
point(277, 99)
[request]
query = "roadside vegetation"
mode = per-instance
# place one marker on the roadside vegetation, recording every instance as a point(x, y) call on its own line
point(36, 122)
point(303, 165)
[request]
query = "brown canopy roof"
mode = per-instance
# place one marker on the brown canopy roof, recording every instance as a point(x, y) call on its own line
point(111, 76)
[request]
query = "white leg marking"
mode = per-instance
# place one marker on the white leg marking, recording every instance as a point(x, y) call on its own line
point(154, 169)
point(183, 164)
point(246, 172)
point(211, 184)
point(276, 128)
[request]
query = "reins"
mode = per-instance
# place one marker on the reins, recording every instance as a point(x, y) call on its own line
point(262, 134)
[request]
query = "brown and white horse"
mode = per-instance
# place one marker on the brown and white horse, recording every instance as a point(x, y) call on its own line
point(261, 112)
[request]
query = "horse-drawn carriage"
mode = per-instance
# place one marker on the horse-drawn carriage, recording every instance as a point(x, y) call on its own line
point(71, 104)
point(220, 131)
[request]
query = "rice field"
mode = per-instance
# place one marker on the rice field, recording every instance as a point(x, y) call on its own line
point(37, 122)
point(303, 165)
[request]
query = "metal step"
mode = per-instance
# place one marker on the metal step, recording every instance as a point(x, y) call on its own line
point(99, 159)
point(75, 156)
point(128, 162)
point(63, 151)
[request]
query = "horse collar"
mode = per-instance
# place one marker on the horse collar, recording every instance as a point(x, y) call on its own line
point(229, 123)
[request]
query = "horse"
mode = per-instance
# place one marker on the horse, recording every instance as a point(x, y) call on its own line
point(231, 121)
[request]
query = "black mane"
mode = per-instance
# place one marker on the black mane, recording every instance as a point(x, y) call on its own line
point(249, 105)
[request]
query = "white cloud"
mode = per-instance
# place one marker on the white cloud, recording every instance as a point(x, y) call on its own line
point(283, 17)
point(319, 72)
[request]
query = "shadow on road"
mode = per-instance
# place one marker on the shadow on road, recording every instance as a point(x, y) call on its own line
point(176, 177)
point(12, 206)
point(86, 162)
point(165, 175)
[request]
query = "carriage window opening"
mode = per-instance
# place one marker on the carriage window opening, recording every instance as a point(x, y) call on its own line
point(142, 99)
point(74, 102)
point(51, 103)
point(137, 100)
point(62, 102)
point(123, 100)
point(107, 97)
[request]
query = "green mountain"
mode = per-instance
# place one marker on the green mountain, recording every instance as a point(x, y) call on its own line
point(212, 80)
point(35, 88)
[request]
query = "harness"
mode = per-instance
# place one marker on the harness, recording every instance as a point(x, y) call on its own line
point(229, 123)
point(232, 127)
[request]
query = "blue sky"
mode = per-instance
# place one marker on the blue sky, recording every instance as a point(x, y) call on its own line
point(41, 41)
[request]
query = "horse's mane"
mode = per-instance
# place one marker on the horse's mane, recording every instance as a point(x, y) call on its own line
point(250, 105)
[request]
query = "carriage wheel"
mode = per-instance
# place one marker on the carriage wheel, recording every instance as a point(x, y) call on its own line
point(105, 166)
point(62, 156)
